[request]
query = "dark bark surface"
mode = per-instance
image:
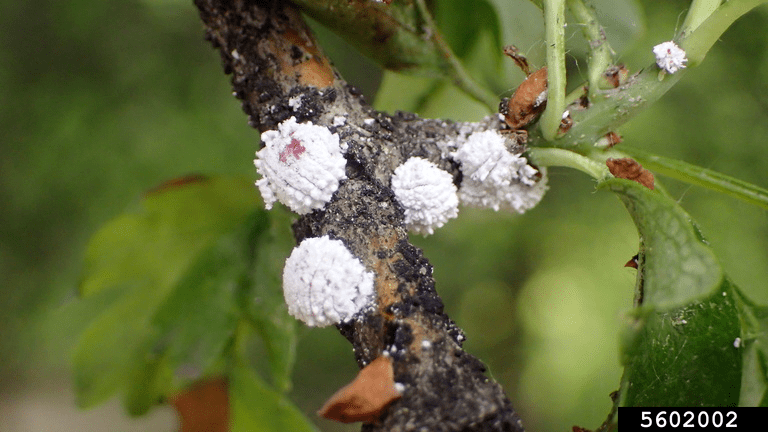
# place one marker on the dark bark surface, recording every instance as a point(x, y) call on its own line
point(278, 71)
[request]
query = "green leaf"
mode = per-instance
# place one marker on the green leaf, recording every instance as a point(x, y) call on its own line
point(754, 340)
point(392, 35)
point(684, 357)
point(405, 92)
point(156, 245)
point(676, 267)
point(166, 279)
point(265, 305)
point(694, 339)
point(255, 407)
point(401, 36)
point(198, 319)
point(106, 351)
point(202, 312)
point(149, 378)
point(623, 21)
point(461, 23)
point(703, 177)
point(162, 324)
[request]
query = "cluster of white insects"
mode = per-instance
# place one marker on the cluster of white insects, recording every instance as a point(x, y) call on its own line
point(302, 165)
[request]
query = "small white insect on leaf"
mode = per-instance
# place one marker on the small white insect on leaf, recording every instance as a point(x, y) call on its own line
point(495, 178)
point(301, 166)
point(324, 284)
point(670, 57)
point(427, 193)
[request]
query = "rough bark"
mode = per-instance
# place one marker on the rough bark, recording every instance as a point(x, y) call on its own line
point(278, 71)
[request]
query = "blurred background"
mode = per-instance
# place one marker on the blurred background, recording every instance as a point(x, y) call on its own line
point(102, 100)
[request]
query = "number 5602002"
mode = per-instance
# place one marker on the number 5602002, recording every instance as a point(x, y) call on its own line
point(698, 419)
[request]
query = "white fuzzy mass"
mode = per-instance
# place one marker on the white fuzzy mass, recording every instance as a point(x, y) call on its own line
point(670, 57)
point(494, 177)
point(301, 166)
point(427, 193)
point(324, 284)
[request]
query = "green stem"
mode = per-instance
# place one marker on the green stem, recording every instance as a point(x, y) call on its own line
point(554, 30)
point(616, 108)
point(456, 71)
point(699, 42)
point(566, 158)
point(600, 53)
point(576, 93)
point(699, 11)
point(703, 177)
point(643, 89)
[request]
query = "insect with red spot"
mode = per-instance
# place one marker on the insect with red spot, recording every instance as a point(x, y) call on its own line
point(294, 149)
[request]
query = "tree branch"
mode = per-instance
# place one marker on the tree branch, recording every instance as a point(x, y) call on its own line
point(278, 71)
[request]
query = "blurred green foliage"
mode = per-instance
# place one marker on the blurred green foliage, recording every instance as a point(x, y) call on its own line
point(102, 100)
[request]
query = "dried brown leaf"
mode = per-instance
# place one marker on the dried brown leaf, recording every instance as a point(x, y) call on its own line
point(366, 397)
point(204, 407)
point(630, 169)
point(633, 262)
point(513, 52)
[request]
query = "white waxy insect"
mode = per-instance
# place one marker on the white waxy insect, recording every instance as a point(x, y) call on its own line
point(670, 57)
point(495, 178)
point(324, 284)
point(427, 194)
point(301, 166)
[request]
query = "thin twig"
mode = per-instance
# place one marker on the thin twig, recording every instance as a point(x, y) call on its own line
point(461, 78)
point(273, 58)
point(600, 52)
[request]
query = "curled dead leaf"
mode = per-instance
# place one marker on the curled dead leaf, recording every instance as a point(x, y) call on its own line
point(366, 397)
point(633, 262)
point(513, 52)
point(204, 407)
point(630, 169)
point(529, 100)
